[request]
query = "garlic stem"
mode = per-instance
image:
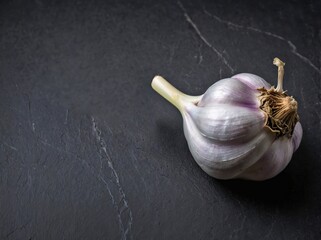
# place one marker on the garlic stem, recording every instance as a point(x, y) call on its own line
point(172, 94)
point(277, 62)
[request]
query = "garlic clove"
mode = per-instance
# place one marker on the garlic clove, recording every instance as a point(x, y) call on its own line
point(230, 90)
point(297, 136)
point(252, 80)
point(225, 122)
point(224, 160)
point(276, 158)
point(273, 161)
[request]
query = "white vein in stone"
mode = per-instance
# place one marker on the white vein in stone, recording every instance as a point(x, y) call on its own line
point(200, 56)
point(32, 124)
point(200, 35)
point(270, 34)
point(125, 228)
point(10, 146)
point(66, 117)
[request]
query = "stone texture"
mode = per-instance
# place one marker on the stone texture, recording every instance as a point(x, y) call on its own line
point(89, 151)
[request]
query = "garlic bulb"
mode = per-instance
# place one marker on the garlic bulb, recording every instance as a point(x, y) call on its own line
point(241, 127)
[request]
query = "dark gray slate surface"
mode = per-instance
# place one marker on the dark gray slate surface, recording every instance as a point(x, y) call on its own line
point(89, 151)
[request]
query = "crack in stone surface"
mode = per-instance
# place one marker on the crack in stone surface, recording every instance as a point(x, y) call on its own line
point(125, 227)
point(200, 56)
point(124, 213)
point(17, 229)
point(9, 146)
point(201, 36)
point(288, 42)
point(66, 117)
point(31, 123)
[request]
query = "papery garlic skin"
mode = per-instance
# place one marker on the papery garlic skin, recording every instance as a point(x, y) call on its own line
point(276, 158)
point(226, 122)
point(225, 129)
point(280, 153)
point(221, 159)
point(258, 159)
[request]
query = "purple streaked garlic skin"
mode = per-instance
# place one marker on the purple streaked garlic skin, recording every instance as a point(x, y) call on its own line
point(231, 134)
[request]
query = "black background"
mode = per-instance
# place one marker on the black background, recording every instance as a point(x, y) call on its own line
point(90, 151)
